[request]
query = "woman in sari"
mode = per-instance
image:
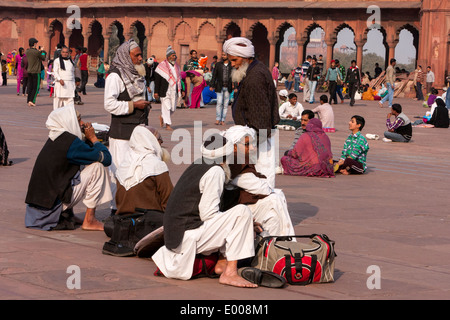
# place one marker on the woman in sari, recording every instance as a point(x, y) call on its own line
point(311, 156)
point(199, 84)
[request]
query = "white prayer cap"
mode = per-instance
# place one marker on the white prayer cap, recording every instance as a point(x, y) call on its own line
point(283, 93)
point(239, 47)
point(133, 44)
point(237, 133)
point(217, 147)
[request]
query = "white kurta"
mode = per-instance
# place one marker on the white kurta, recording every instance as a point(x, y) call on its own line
point(169, 102)
point(271, 212)
point(230, 232)
point(266, 163)
point(114, 86)
point(287, 109)
point(64, 94)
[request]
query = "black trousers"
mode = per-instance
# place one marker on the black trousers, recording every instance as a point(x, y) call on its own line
point(33, 83)
point(332, 91)
point(84, 80)
point(352, 88)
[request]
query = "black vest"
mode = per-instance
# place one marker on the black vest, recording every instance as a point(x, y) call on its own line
point(50, 181)
point(122, 126)
point(182, 211)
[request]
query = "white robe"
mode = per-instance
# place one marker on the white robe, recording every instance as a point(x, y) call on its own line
point(64, 94)
point(170, 101)
point(118, 148)
point(230, 232)
point(271, 211)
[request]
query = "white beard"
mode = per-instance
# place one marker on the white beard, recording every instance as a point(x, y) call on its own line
point(237, 75)
point(227, 170)
point(165, 156)
point(140, 68)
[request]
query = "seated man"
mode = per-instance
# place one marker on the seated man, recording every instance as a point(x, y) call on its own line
point(353, 159)
point(143, 177)
point(68, 170)
point(194, 224)
point(439, 114)
point(326, 114)
point(306, 116)
point(401, 129)
point(290, 112)
point(283, 95)
point(311, 156)
point(247, 186)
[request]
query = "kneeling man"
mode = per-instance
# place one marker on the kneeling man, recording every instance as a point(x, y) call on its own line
point(68, 170)
point(194, 224)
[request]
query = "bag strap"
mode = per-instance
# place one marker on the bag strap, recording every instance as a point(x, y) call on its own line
point(299, 268)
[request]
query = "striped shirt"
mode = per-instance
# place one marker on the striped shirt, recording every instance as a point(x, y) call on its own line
point(356, 147)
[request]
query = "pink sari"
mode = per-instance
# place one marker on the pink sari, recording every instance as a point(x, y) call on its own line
point(311, 155)
point(196, 95)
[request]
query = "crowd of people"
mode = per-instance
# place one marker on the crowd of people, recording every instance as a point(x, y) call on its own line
point(236, 174)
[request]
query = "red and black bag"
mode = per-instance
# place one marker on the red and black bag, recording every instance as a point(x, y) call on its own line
point(300, 262)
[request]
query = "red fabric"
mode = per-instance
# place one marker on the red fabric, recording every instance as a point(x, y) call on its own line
point(83, 62)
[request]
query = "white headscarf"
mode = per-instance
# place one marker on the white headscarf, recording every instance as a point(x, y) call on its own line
point(62, 120)
point(239, 47)
point(237, 133)
point(143, 158)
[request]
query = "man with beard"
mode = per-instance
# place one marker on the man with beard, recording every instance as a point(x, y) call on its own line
point(168, 87)
point(64, 74)
point(125, 100)
point(249, 187)
point(256, 102)
point(68, 170)
point(194, 223)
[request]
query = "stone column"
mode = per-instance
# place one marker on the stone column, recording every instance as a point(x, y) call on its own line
point(359, 53)
point(330, 43)
point(220, 39)
point(106, 37)
point(272, 42)
point(300, 50)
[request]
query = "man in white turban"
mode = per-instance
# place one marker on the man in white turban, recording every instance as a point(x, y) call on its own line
point(249, 187)
point(194, 224)
point(256, 102)
point(125, 101)
point(68, 170)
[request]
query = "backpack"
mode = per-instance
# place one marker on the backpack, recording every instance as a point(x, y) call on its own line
point(301, 262)
point(127, 230)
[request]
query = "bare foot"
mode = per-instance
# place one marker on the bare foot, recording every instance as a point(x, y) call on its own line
point(345, 172)
point(236, 281)
point(221, 265)
point(161, 121)
point(90, 223)
point(169, 127)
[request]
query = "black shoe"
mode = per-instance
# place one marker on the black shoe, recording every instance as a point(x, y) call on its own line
point(262, 278)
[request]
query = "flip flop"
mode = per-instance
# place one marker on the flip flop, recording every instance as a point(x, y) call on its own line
point(148, 245)
point(262, 278)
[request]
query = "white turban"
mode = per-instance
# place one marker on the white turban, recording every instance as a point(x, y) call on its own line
point(237, 133)
point(216, 149)
point(239, 47)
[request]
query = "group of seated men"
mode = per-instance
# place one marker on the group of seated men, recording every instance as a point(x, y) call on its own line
point(216, 206)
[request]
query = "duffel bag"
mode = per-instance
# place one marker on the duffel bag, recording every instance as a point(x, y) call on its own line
point(127, 230)
point(307, 260)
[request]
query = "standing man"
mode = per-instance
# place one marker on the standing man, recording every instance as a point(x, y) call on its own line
point(430, 79)
point(418, 80)
point(221, 83)
point(306, 88)
point(312, 75)
point(390, 83)
point(125, 101)
point(256, 102)
point(168, 87)
point(297, 78)
point(150, 67)
point(353, 81)
point(64, 74)
point(83, 65)
point(34, 58)
point(331, 79)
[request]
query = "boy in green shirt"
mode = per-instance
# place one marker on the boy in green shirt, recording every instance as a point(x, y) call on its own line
point(353, 158)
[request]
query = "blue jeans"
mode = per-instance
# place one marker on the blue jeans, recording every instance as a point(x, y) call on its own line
point(296, 84)
point(395, 137)
point(312, 89)
point(223, 98)
point(390, 94)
